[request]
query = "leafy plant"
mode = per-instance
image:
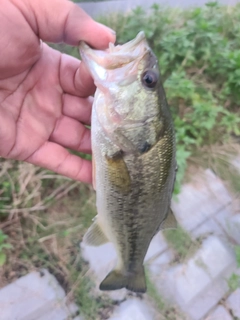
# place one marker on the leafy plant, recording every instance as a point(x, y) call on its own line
point(234, 280)
point(4, 246)
point(181, 242)
point(199, 58)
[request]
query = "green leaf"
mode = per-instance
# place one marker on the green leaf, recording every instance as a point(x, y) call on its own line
point(237, 252)
point(3, 258)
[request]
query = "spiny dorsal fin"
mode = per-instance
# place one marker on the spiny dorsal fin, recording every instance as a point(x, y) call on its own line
point(170, 222)
point(95, 236)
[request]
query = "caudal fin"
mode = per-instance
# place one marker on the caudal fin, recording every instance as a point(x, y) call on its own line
point(115, 280)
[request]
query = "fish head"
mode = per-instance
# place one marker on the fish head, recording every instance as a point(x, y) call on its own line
point(128, 78)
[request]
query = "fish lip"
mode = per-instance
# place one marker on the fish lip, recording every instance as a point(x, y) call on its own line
point(115, 56)
point(133, 43)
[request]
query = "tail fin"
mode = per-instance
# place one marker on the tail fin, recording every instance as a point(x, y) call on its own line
point(115, 280)
point(137, 282)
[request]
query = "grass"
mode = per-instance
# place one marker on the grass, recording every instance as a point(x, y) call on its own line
point(49, 237)
point(234, 279)
point(180, 241)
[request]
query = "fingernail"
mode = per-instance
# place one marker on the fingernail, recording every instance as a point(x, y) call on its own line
point(110, 30)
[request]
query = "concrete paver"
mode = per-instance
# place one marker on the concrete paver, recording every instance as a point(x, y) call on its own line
point(133, 309)
point(200, 199)
point(233, 303)
point(220, 313)
point(36, 296)
point(197, 285)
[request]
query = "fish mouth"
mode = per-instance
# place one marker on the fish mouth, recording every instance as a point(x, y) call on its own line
point(117, 62)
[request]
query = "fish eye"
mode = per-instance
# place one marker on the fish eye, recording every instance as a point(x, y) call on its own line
point(149, 78)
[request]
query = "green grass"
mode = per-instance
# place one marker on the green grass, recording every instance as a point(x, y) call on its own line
point(234, 280)
point(180, 241)
point(163, 308)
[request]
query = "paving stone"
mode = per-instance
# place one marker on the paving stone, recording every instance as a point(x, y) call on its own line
point(233, 303)
point(215, 257)
point(157, 265)
point(220, 313)
point(207, 300)
point(199, 284)
point(34, 297)
point(133, 309)
point(198, 200)
point(230, 224)
point(207, 228)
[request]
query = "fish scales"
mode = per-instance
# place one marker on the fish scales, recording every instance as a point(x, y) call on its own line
point(134, 160)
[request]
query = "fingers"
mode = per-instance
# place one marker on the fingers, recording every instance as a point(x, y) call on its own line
point(77, 108)
point(63, 21)
point(56, 158)
point(72, 134)
point(74, 77)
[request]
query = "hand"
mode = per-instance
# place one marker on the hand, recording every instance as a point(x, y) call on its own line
point(44, 95)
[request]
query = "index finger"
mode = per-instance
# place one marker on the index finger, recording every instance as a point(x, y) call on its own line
point(63, 21)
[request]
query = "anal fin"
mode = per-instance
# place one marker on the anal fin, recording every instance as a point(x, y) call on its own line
point(95, 235)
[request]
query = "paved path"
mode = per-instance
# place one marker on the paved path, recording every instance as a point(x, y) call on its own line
point(197, 286)
point(96, 9)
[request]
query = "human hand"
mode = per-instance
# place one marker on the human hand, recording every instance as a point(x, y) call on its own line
point(44, 95)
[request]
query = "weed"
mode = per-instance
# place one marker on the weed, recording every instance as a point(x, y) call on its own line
point(153, 293)
point(234, 280)
point(237, 253)
point(4, 246)
point(165, 312)
point(181, 242)
point(220, 159)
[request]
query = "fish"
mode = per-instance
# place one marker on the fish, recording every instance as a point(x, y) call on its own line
point(133, 156)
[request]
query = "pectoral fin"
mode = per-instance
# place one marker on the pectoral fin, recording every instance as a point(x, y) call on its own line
point(170, 222)
point(118, 172)
point(95, 236)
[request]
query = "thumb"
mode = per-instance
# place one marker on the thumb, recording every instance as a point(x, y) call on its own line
point(63, 21)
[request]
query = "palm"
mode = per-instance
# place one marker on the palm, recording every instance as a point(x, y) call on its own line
point(44, 106)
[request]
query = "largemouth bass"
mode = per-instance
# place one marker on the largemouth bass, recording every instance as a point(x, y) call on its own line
point(134, 162)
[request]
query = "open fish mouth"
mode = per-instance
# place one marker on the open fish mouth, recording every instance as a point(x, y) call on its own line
point(125, 57)
point(116, 56)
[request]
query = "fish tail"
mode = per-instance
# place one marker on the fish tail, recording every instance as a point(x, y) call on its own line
point(116, 279)
point(137, 281)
